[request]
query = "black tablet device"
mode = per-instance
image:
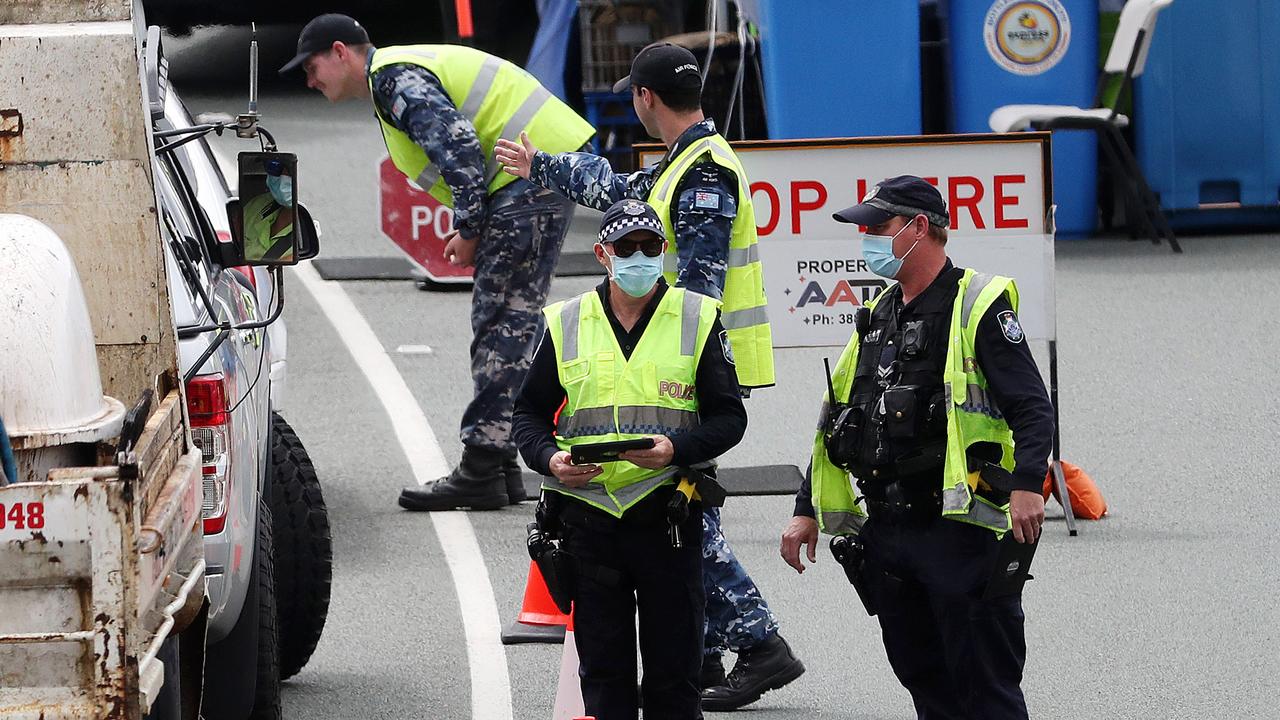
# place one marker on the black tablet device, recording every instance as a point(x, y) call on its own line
point(1012, 567)
point(607, 451)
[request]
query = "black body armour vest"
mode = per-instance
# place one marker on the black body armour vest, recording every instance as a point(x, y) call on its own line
point(898, 403)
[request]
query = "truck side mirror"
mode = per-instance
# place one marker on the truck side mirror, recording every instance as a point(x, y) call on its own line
point(265, 220)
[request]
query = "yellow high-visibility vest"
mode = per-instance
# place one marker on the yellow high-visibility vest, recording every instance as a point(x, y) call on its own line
point(612, 397)
point(498, 97)
point(745, 314)
point(971, 418)
point(260, 214)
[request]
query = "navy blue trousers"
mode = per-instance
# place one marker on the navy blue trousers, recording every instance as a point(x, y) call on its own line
point(655, 582)
point(960, 657)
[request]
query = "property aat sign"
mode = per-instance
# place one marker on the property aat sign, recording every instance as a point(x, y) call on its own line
point(997, 191)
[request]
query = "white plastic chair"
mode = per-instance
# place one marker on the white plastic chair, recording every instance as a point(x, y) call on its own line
point(1127, 58)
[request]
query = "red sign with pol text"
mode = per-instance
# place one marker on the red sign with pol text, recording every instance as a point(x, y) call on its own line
point(417, 223)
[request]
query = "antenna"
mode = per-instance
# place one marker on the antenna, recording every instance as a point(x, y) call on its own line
point(253, 68)
point(247, 122)
point(831, 388)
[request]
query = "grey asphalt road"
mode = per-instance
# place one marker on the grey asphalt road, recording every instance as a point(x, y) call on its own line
point(1168, 394)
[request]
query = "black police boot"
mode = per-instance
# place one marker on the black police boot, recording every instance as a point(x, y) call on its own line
point(514, 477)
point(712, 671)
point(477, 483)
point(768, 666)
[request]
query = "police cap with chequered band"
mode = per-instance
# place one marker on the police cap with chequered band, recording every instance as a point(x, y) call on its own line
point(628, 216)
point(905, 195)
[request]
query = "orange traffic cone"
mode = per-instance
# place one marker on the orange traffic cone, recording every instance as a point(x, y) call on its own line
point(540, 621)
point(569, 705)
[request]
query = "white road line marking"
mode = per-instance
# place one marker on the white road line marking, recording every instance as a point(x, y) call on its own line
point(415, 350)
point(486, 658)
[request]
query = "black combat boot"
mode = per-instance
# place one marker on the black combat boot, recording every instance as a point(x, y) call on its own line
point(514, 478)
point(712, 671)
point(476, 483)
point(767, 666)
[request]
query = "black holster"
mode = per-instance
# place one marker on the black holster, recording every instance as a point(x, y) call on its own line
point(849, 553)
point(842, 430)
point(558, 568)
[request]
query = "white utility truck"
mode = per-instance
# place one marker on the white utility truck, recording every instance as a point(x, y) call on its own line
point(103, 494)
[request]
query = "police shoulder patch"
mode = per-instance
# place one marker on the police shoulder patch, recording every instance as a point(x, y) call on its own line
point(725, 347)
point(1010, 326)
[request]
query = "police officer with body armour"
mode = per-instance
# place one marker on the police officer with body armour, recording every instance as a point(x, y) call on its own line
point(441, 109)
point(702, 195)
point(941, 417)
point(633, 358)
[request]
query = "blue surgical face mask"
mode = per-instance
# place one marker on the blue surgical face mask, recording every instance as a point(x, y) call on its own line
point(877, 250)
point(281, 187)
point(636, 275)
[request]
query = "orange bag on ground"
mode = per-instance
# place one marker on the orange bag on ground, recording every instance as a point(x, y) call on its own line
point(1086, 499)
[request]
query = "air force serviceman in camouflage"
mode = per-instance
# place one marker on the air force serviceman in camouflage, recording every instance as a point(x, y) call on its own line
point(441, 108)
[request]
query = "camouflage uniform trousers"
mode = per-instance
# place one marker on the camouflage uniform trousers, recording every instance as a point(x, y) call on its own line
point(737, 616)
point(514, 263)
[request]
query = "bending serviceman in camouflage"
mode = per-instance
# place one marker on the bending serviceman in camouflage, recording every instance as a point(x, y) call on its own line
point(701, 193)
point(441, 109)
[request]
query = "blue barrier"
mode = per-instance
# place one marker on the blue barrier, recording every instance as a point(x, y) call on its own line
point(1032, 52)
point(1208, 108)
point(835, 68)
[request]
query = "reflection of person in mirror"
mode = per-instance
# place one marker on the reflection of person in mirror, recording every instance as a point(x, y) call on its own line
point(268, 218)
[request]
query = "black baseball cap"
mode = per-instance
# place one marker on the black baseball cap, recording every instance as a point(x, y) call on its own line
point(628, 216)
point(905, 195)
point(662, 66)
point(322, 32)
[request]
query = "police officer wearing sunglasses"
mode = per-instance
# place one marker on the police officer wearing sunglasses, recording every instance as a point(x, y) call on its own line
point(632, 358)
point(702, 194)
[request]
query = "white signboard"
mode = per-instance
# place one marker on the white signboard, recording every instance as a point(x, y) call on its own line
point(996, 190)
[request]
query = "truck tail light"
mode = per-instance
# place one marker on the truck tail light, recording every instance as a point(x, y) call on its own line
point(210, 430)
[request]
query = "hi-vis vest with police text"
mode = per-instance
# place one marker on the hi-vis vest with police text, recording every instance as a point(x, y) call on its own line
point(971, 418)
point(499, 98)
point(612, 397)
point(745, 316)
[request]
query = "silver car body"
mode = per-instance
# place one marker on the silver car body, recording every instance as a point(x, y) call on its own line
point(242, 361)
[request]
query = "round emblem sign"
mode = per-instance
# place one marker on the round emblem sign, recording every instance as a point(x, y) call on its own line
point(1027, 37)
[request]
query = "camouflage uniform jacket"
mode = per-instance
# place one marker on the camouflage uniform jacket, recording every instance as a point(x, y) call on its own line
point(703, 214)
point(411, 98)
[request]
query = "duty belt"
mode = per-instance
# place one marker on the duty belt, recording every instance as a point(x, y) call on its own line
point(896, 502)
point(651, 512)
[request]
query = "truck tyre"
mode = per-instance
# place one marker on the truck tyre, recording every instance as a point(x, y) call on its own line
point(303, 550)
point(243, 671)
point(266, 690)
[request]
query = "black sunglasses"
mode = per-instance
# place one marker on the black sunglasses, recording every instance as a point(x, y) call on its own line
point(651, 247)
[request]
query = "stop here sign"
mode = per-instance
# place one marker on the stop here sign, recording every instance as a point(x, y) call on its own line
point(417, 223)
